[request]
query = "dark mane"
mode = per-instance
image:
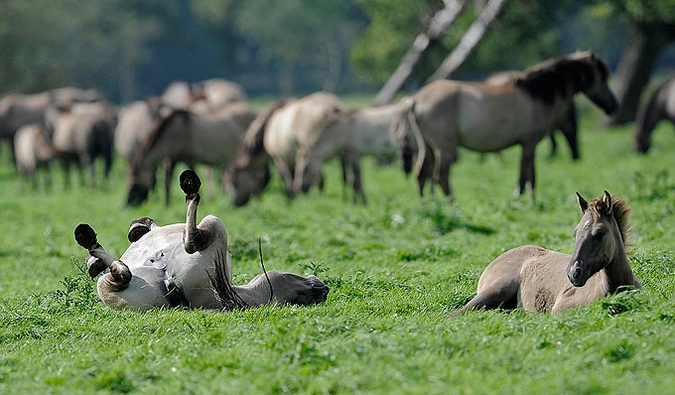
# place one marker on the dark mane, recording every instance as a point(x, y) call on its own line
point(157, 131)
point(621, 212)
point(562, 77)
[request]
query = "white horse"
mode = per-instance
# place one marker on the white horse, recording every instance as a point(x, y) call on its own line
point(186, 265)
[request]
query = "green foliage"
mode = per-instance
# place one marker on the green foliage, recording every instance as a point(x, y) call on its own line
point(396, 268)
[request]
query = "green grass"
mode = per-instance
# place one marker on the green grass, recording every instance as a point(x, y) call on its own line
point(395, 268)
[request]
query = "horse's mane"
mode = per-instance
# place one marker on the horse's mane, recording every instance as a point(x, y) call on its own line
point(158, 131)
point(561, 77)
point(253, 140)
point(621, 212)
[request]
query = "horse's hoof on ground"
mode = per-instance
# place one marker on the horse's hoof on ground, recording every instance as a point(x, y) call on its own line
point(190, 182)
point(85, 236)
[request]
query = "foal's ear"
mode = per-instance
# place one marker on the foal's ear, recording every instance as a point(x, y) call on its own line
point(582, 203)
point(607, 201)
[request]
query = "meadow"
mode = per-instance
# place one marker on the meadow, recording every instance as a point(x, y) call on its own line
point(396, 268)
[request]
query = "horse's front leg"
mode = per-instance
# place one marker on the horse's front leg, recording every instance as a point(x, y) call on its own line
point(119, 272)
point(527, 168)
point(286, 175)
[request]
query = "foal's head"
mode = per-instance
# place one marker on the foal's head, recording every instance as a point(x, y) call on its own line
point(600, 235)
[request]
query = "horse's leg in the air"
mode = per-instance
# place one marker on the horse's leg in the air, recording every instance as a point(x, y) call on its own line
point(120, 273)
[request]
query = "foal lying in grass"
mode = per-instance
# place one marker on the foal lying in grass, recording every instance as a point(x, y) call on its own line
point(537, 279)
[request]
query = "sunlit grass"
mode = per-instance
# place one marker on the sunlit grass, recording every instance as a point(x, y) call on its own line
point(396, 267)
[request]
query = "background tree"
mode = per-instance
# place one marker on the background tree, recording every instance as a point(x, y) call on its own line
point(651, 29)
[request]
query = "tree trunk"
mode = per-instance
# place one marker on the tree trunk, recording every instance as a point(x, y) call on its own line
point(439, 23)
point(469, 41)
point(645, 42)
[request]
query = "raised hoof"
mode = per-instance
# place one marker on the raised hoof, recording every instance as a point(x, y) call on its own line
point(85, 236)
point(140, 227)
point(190, 182)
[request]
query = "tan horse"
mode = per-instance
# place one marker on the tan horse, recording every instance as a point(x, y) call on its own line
point(568, 124)
point(83, 132)
point(211, 139)
point(286, 133)
point(186, 265)
point(661, 106)
point(540, 280)
point(446, 115)
point(33, 152)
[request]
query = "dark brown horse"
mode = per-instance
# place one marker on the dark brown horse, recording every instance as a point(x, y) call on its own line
point(446, 115)
point(661, 106)
point(541, 280)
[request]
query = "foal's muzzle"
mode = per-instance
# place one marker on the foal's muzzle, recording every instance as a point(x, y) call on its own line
point(577, 274)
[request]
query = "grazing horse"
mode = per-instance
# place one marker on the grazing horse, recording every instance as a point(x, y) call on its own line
point(359, 132)
point(33, 151)
point(661, 106)
point(568, 124)
point(540, 280)
point(83, 132)
point(18, 109)
point(211, 139)
point(186, 265)
point(446, 115)
point(286, 133)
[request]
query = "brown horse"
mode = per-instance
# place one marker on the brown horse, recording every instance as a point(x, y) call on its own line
point(568, 124)
point(211, 139)
point(446, 115)
point(540, 280)
point(186, 265)
point(661, 106)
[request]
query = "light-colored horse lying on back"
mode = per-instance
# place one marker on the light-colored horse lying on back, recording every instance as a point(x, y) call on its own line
point(540, 280)
point(186, 265)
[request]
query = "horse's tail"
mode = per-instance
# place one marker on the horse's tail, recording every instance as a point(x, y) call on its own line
point(406, 131)
point(103, 143)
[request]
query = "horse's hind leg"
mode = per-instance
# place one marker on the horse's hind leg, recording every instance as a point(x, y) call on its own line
point(287, 288)
point(504, 297)
point(86, 238)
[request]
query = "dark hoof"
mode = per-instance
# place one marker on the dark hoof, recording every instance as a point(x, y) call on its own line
point(190, 182)
point(85, 236)
point(315, 293)
point(95, 266)
point(140, 227)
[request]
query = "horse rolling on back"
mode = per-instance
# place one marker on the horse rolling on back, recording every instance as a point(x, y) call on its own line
point(186, 265)
point(446, 115)
point(541, 280)
point(661, 105)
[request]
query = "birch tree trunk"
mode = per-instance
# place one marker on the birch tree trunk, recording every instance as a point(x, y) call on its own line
point(469, 41)
point(439, 23)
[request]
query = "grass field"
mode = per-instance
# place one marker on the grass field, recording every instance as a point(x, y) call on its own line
point(395, 268)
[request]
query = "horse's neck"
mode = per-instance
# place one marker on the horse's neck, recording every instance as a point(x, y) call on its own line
point(618, 271)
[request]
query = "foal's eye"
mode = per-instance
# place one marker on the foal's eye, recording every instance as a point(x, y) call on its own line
point(598, 233)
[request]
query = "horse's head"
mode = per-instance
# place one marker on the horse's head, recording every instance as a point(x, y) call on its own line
point(142, 179)
point(599, 235)
point(595, 86)
point(248, 177)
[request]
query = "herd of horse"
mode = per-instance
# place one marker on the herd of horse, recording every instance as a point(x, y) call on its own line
point(211, 123)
